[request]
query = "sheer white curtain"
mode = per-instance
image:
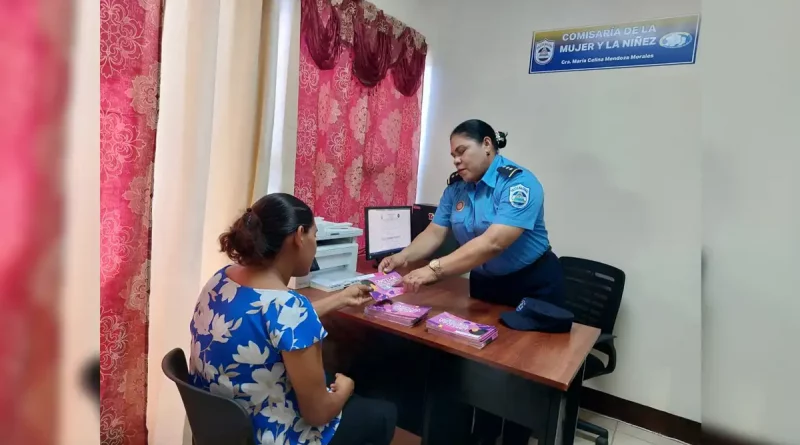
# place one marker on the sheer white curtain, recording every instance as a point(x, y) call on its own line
point(80, 293)
point(216, 95)
point(275, 163)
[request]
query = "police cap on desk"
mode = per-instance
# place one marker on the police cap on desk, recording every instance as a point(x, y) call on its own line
point(538, 315)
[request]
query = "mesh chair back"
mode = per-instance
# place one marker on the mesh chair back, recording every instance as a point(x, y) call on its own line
point(593, 292)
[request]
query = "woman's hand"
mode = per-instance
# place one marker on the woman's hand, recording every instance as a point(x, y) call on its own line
point(393, 262)
point(355, 295)
point(343, 385)
point(419, 277)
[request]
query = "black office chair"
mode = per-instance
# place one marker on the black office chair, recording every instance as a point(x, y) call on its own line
point(91, 379)
point(214, 420)
point(593, 294)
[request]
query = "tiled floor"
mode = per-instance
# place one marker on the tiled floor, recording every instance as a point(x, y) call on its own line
point(619, 433)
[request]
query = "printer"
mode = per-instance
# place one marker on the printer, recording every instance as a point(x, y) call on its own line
point(335, 264)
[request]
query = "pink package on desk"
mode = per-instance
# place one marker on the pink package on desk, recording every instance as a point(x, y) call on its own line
point(397, 312)
point(400, 309)
point(450, 324)
point(385, 286)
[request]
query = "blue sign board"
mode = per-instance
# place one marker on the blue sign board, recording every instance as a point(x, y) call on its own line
point(669, 41)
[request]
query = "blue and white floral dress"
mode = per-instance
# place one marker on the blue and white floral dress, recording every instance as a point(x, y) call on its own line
point(238, 334)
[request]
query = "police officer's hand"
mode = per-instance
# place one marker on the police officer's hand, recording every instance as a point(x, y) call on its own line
point(393, 262)
point(419, 277)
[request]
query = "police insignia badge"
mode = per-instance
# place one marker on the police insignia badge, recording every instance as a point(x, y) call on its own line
point(543, 51)
point(518, 196)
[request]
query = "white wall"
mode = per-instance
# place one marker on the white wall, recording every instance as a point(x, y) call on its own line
point(751, 218)
point(619, 156)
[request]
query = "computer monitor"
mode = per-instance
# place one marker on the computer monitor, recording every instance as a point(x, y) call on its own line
point(387, 230)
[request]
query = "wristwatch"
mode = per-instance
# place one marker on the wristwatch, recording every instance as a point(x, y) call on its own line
point(436, 267)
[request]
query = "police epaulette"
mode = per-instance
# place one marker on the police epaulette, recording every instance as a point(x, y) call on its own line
point(455, 177)
point(507, 171)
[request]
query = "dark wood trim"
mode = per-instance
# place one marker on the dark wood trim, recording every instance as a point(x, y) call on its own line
point(642, 416)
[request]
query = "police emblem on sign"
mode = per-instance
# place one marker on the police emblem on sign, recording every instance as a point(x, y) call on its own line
point(518, 196)
point(543, 51)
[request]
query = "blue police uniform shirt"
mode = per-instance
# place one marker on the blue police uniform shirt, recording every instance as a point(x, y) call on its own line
point(468, 209)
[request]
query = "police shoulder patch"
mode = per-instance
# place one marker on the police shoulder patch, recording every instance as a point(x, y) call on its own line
point(508, 171)
point(455, 177)
point(518, 196)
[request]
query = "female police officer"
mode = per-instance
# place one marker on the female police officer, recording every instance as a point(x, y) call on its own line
point(495, 209)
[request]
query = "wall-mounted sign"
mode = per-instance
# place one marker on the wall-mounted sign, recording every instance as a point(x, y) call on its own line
point(670, 41)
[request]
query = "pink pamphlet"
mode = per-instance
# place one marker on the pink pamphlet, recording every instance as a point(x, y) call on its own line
point(385, 286)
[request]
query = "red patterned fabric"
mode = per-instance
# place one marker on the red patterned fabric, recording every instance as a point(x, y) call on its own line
point(34, 80)
point(129, 75)
point(357, 146)
point(324, 40)
point(408, 71)
point(378, 42)
point(372, 53)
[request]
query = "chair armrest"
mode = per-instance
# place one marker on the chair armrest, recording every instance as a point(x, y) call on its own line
point(605, 344)
point(605, 338)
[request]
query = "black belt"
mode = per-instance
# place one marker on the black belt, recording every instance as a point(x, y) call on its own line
point(535, 262)
point(534, 280)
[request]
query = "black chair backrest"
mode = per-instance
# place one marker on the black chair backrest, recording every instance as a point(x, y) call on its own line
point(448, 246)
point(593, 292)
point(91, 379)
point(214, 420)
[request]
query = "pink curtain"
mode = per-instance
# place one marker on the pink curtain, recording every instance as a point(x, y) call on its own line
point(130, 33)
point(359, 111)
point(34, 80)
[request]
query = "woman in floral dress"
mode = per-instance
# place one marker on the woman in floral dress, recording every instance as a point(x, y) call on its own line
point(258, 342)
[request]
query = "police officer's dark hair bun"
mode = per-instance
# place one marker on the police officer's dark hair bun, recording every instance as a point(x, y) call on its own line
point(478, 130)
point(258, 234)
point(501, 139)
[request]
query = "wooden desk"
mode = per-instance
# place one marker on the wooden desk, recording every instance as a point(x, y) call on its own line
point(530, 378)
point(551, 359)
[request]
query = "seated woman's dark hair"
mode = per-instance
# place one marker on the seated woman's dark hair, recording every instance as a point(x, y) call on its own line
point(477, 130)
point(258, 235)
